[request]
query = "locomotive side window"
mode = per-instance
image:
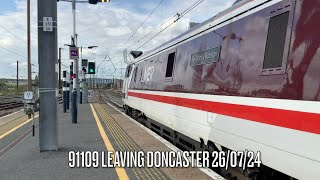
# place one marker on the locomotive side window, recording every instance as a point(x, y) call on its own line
point(135, 74)
point(128, 71)
point(169, 71)
point(141, 74)
point(277, 32)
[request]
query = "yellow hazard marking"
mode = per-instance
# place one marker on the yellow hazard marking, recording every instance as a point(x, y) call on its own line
point(17, 127)
point(120, 171)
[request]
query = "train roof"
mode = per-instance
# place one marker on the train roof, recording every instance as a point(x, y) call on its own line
point(238, 7)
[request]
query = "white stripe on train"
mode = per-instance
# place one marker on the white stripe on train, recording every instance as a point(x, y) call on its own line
point(294, 105)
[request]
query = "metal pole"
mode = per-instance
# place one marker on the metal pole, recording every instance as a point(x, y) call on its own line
point(29, 51)
point(70, 87)
point(77, 72)
point(59, 80)
point(85, 91)
point(80, 97)
point(64, 89)
point(33, 128)
point(47, 54)
point(81, 78)
point(17, 77)
point(84, 88)
point(68, 94)
point(121, 71)
point(74, 92)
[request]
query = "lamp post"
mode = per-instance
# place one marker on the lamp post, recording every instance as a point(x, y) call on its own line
point(29, 86)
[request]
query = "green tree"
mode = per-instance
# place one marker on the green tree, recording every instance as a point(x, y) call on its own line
point(2, 84)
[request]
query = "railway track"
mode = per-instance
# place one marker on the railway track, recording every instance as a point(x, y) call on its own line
point(11, 97)
point(10, 105)
point(104, 98)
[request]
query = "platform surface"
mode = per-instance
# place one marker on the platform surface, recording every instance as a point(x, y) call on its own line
point(20, 157)
point(10, 117)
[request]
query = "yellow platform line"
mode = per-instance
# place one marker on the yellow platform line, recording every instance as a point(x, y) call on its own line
point(120, 171)
point(17, 127)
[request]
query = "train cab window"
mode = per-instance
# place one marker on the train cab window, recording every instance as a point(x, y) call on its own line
point(276, 39)
point(170, 65)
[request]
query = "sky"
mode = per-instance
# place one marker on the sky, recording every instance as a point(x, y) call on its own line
point(110, 26)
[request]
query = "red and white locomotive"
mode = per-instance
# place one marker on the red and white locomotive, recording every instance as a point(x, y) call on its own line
point(248, 78)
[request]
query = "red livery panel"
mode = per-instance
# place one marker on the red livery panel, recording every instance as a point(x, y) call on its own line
point(239, 71)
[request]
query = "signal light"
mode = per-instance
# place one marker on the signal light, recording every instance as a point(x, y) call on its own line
point(92, 68)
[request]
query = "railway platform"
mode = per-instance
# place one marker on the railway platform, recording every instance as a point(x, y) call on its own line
point(101, 127)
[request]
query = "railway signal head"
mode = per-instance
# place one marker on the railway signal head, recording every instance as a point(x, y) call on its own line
point(91, 68)
point(84, 62)
point(84, 70)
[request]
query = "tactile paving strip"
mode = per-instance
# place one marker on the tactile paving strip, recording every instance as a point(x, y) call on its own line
point(125, 143)
point(12, 124)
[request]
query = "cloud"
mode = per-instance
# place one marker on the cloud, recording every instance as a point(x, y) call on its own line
point(107, 25)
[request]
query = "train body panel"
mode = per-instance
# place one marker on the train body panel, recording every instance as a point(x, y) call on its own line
point(244, 80)
point(278, 145)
